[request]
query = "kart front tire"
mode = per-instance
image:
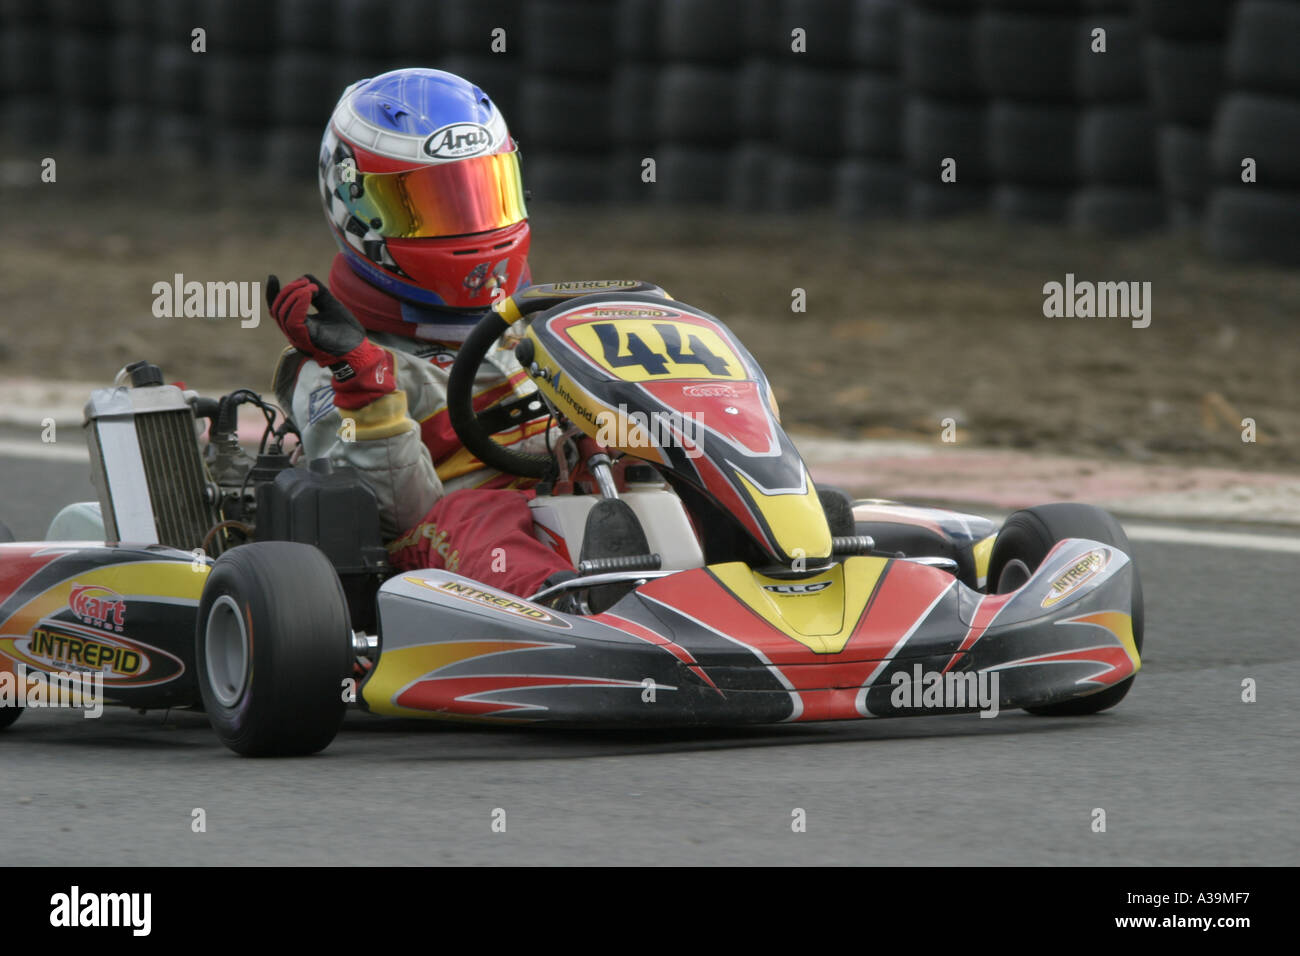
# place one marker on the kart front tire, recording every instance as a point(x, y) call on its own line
point(273, 649)
point(1020, 547)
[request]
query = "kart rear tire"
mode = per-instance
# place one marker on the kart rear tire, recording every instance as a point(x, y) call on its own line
point(281, 694)
point(1027, 537)
point(8, 715)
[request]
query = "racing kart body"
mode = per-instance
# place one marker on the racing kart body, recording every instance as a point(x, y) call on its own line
point(749, 596)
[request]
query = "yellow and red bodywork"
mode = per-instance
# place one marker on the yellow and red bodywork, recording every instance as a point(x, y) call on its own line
point(635, 364)
point(731, 644)
point(124, 614)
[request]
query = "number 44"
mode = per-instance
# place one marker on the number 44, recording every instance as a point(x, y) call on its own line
point(655, 362)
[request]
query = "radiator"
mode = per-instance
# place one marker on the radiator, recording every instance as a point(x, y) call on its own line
point(145, 465)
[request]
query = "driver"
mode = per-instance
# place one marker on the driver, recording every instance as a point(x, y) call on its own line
point(421, 185)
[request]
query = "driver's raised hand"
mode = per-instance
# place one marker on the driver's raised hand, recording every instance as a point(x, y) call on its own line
point(333, 337)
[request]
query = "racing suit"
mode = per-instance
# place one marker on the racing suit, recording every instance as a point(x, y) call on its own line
point(439, 506)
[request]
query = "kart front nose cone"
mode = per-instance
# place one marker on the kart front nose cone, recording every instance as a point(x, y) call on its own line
point(228, 651)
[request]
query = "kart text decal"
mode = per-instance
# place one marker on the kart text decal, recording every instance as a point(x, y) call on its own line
point(494, 600)
point(1076, 575)
point(56, 647)
point(98, 606)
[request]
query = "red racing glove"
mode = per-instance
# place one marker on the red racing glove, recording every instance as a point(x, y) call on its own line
point(363, 372)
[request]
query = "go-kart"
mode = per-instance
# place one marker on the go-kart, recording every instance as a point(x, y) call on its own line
point(715, 584)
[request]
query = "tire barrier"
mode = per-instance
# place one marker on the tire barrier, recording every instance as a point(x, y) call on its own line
point(1254, 141)
point(871, 108)
point(944, 128)
point(1119, 137)
point(1026, 58)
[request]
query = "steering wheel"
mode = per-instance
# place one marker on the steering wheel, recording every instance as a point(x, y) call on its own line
point(475, 429)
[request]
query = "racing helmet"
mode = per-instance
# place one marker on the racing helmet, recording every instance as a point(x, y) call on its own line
point(421, 185)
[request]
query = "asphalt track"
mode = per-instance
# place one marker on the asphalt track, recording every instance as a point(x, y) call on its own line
point(1186, 772)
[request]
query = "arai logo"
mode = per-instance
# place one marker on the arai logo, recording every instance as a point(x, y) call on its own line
point(797, 588)
point(457, 141)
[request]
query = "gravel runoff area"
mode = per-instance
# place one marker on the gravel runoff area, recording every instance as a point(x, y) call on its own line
point(906, 325)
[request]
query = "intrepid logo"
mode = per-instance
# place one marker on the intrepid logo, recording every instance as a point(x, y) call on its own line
point(458, 141)
point(1077, 575)
point(98, 606)
point(77, 651)
point(499, 602)
point(54, 646)
point(76, 909)
point(588, 285)
point(797, 588)
point(575, 406)
point(627, 313)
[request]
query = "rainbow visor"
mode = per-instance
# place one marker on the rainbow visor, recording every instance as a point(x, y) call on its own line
point(448, 199)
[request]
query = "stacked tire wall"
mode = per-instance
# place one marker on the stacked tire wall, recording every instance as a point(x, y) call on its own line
point(1111, 116)
point(1254, 209)
point(1185, 51)
point(870, 179)
point(696, 56)
point(945, 110)
point(1117, 142)
point(1025, 54)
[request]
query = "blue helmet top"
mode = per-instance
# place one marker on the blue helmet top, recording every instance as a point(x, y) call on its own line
point(418, 102)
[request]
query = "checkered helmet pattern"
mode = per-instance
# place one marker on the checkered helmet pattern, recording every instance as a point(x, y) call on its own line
point(338, 167)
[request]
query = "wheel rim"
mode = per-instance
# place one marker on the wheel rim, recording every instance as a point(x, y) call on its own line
point(1014, 575)
point(227, 651)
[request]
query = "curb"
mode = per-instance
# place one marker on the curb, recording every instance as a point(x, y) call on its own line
point(1007, 480)
point(991, 479)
